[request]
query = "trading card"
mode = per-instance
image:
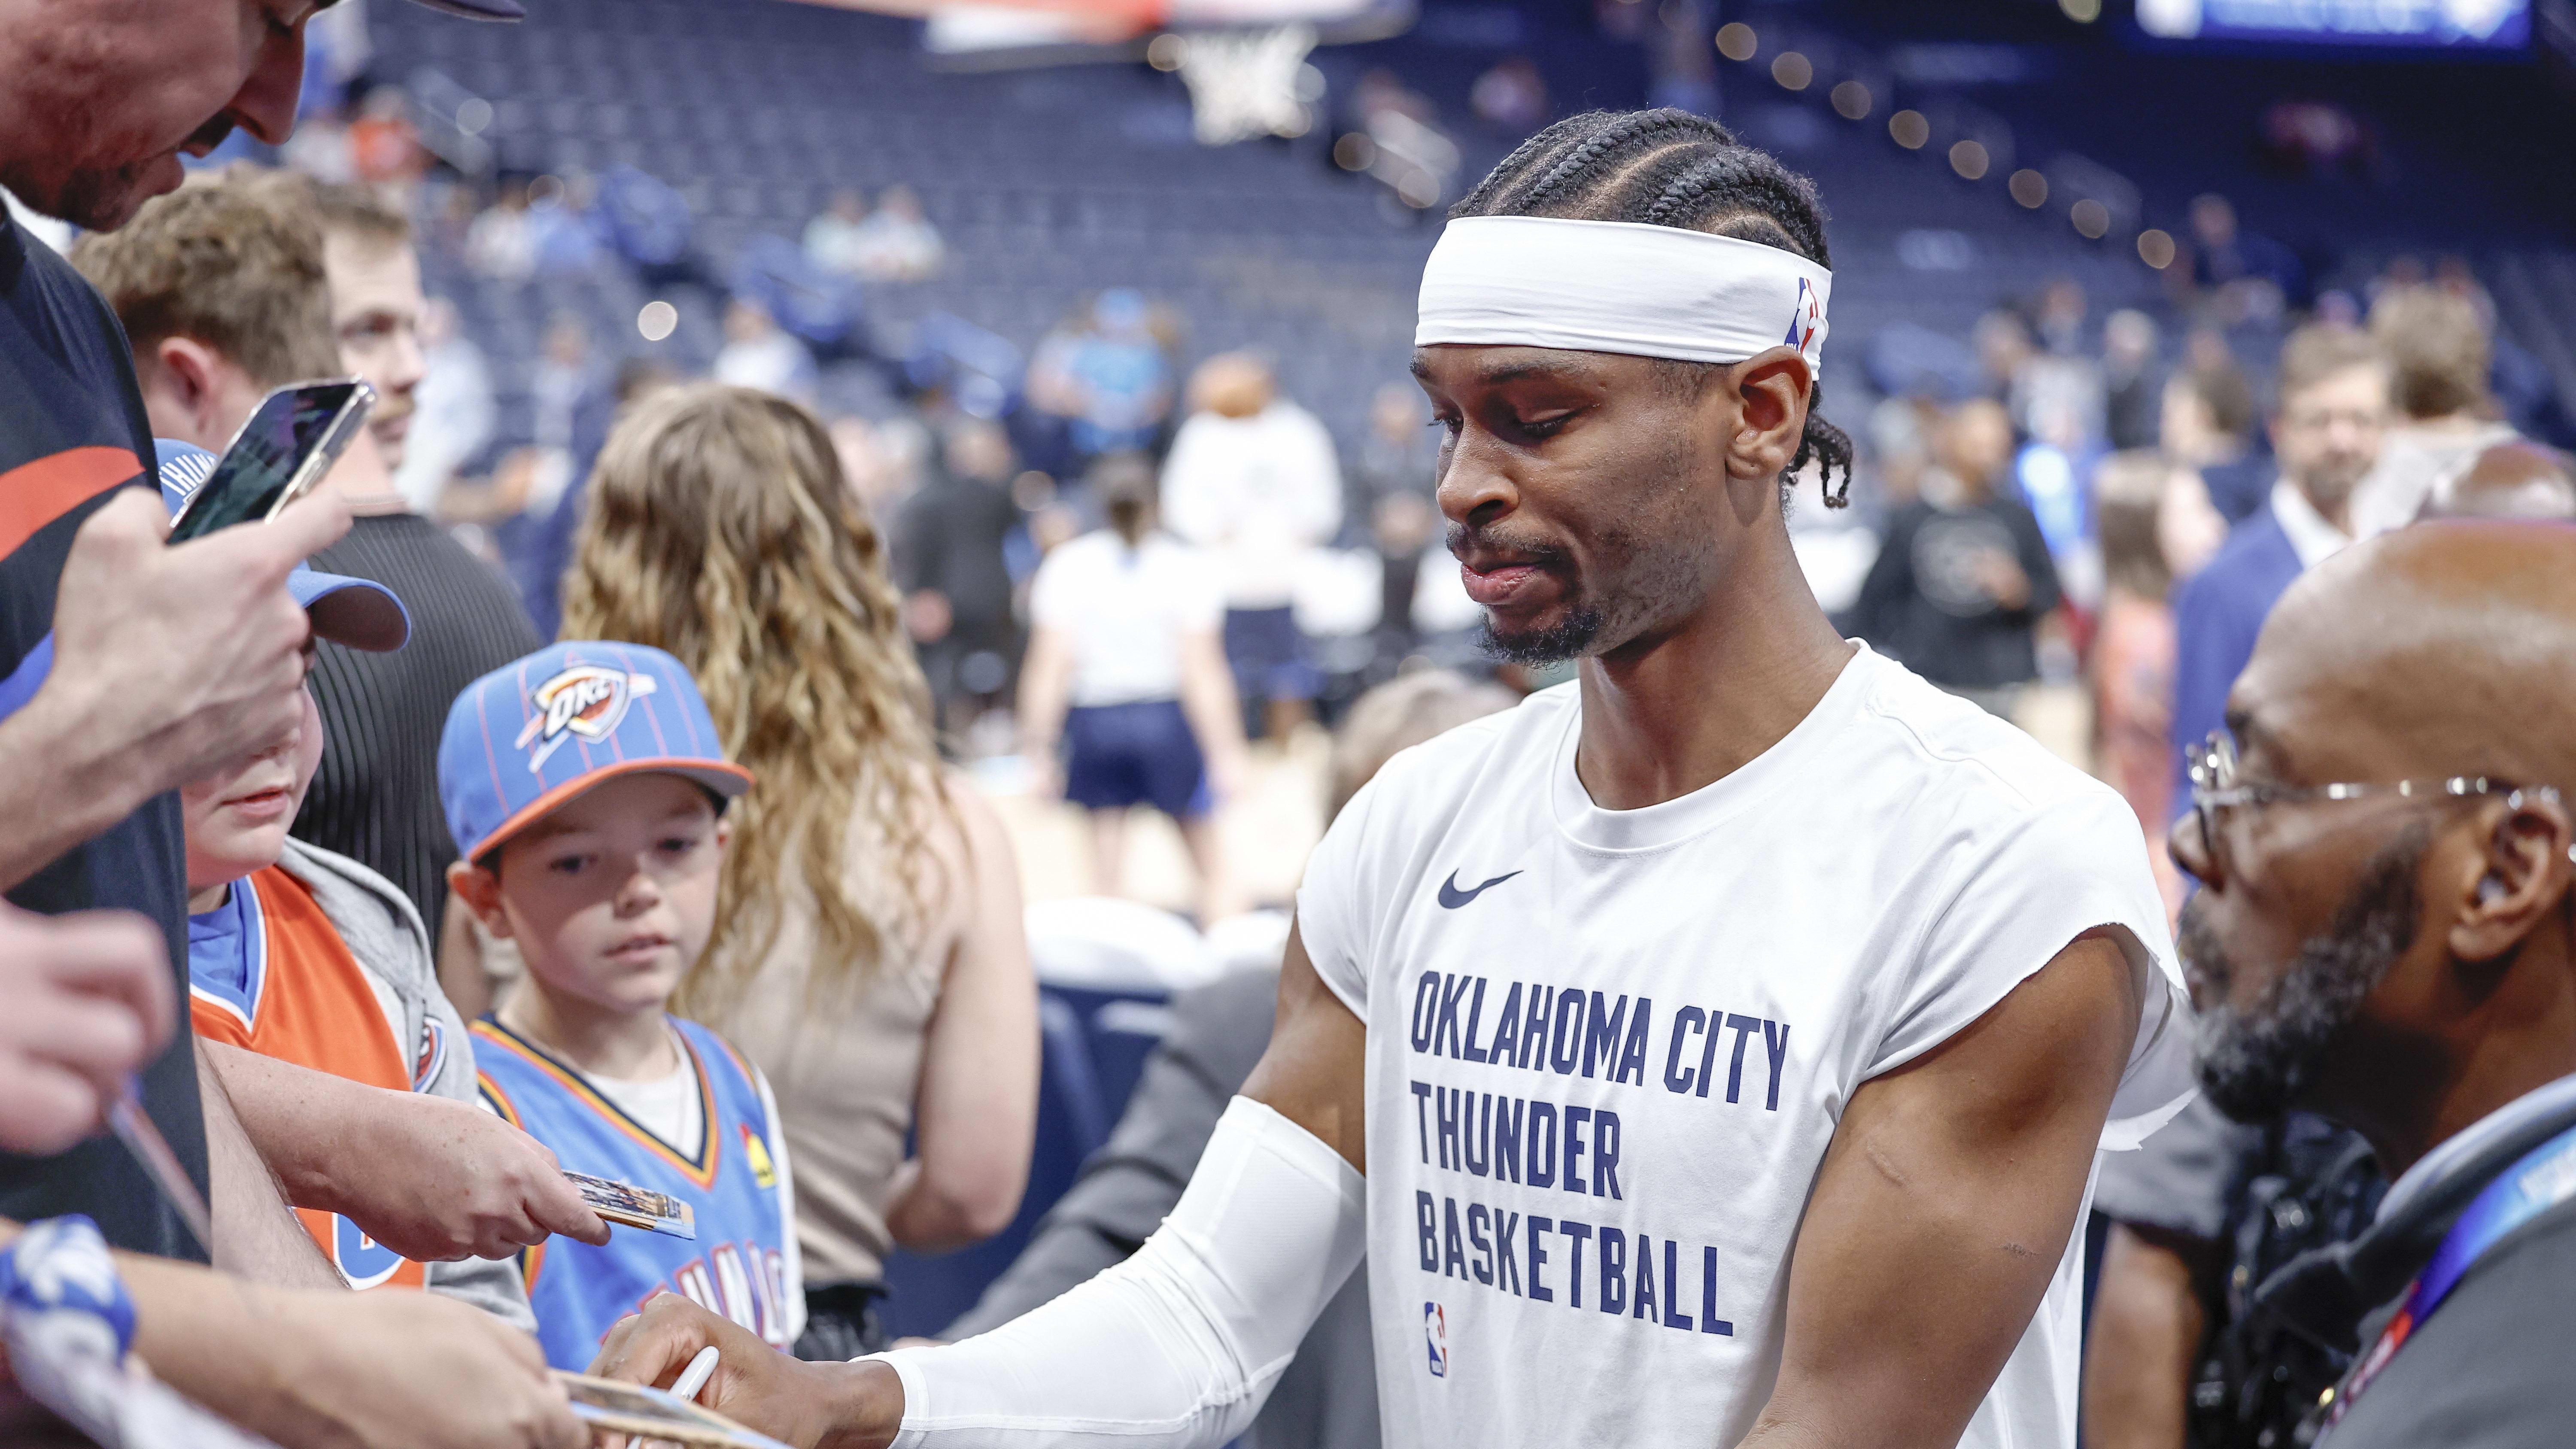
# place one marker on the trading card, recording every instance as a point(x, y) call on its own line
point(646, 1413)
point(636, 1207)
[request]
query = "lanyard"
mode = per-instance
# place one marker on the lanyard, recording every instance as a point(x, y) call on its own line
point(2544, 1178)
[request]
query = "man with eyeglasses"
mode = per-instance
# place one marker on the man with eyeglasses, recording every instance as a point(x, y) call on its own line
point(2385, 934)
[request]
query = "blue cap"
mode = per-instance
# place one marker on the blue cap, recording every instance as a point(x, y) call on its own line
point(360, 613)
point(529, 736)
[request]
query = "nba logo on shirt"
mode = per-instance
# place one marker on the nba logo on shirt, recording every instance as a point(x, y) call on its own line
point(586, 700)
point(1435, 1332)
point(1803, 318)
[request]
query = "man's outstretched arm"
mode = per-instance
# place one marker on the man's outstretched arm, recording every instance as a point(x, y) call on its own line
point(1944, 1205)
point(1176, 1346)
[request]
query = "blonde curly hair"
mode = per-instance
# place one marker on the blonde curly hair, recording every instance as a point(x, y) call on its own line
point(722, 531)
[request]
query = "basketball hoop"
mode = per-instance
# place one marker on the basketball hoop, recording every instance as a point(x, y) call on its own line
point(1247, 83)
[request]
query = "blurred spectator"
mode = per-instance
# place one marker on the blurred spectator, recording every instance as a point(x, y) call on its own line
point(758, 353)
point(2206, 424)
point(1252, 478)
point(1124, 696)
point(2131, 380)
point(2225, 257)
point(2439, 361)
point(2326, 433)
point(897, 243)
point(1398, 453)
point(869, 953)
point(538, 551)
point(2059, 318)
point(571, 390)
point(2002, 341)
point(1964, 576)
point(832, 238)
point(882, 462)
point(1326, 1397)
point(321, 148)
point(2133, 648)
point(1107, 375)
point(562, 229)
point(956, 582)
point(453, 408)
point(384, 145)
point(1511, 97)
point(501, 245)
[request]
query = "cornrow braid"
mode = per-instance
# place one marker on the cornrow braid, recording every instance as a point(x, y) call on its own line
point(1672, 168)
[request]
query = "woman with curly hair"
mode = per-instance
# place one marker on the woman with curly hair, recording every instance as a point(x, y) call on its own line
point(867, 951)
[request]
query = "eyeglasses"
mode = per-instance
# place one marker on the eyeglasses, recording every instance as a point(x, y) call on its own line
point(2214, 791)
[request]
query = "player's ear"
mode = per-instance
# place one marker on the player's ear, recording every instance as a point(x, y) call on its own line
point(1771, 389)
point(480, 889)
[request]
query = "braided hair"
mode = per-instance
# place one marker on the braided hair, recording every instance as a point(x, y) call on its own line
point(1672, 168)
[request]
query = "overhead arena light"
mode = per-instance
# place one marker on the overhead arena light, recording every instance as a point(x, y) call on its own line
point(2156, 248)
point(2029, 188)
point(1852, 100)
point(1736, 40)
point(1909, 130)
point(2091, 218)
point(1792, 70)
point(1969, 159)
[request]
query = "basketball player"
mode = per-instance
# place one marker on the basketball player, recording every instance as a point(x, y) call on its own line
point(1726, 1036)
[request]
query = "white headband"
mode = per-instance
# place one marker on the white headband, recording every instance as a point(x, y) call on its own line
point(1618, 286)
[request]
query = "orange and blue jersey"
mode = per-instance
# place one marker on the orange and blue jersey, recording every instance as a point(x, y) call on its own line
point(737, 1266)
point(267, 972)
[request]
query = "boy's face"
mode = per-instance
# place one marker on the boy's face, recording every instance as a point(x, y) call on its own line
point(236, 818)
point(611, 897)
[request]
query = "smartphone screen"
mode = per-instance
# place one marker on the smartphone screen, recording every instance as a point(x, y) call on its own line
point(265, 456)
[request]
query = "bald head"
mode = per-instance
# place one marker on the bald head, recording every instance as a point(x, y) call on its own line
point(2510, 480)
point(2448, 648)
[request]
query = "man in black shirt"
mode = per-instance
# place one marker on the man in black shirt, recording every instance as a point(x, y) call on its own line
point(1963, 577)
point(2386, 935)
point(375, 796)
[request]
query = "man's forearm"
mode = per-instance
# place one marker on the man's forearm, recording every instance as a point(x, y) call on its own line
point(305, 1125)
point(256, 1235)
point(67, 784)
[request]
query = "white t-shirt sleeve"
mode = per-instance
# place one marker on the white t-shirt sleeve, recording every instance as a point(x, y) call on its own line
point(1333, 915)
point(2058, 871)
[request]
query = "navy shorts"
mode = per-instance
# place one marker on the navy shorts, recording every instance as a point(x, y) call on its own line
point(1117, 755)
point(1268, 655)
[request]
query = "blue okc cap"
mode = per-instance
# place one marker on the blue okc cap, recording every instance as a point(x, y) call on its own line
point(360, 613)
point(527, 737)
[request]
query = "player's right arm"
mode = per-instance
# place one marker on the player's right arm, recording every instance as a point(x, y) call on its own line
point(1175, 1347)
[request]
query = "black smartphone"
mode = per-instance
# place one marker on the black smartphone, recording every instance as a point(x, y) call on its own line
point(289, 441)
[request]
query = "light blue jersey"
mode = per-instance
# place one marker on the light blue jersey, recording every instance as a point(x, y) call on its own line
point(741, 1264)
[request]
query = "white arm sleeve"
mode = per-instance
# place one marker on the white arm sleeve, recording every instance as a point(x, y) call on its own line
point(1177, 1347)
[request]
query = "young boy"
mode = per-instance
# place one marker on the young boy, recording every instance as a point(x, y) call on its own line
point(586, 789)
point(308, 957)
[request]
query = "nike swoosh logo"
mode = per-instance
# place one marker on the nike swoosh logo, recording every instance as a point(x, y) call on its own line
point(1451, 898)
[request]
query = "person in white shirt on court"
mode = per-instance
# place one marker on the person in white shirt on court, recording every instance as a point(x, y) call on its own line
point(1714, 1050)
point(1125, 698)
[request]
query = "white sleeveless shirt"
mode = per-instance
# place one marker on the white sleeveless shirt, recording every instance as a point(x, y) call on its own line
point(1607, 1049)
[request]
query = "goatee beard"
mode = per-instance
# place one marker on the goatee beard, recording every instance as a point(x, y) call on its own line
point(2255, 1066)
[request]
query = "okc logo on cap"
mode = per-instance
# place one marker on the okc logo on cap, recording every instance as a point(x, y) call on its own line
point(586, 700)
point(1803, 318)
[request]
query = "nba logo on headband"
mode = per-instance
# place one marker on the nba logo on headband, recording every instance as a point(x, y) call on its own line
point(586, 700)
point(1804, 318)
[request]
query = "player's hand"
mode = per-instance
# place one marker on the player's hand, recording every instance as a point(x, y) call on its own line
point(444, 1180)
point(808, 1405)
point(171, 661)
point(409, 1371)
point(88, 1000)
